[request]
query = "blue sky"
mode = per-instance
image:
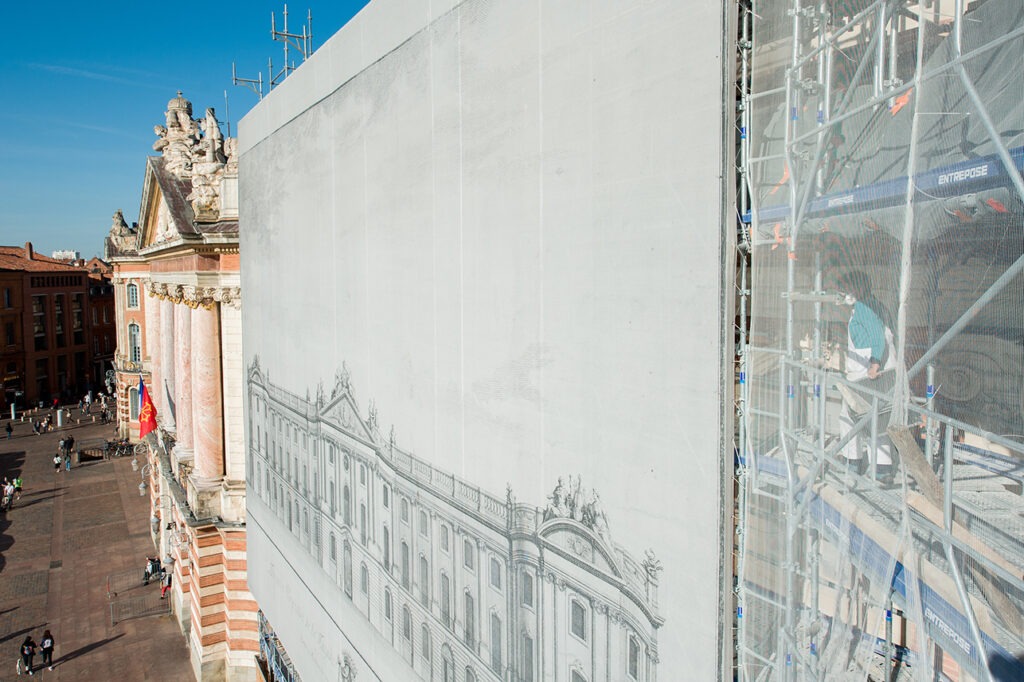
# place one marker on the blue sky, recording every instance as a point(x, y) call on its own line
point(84, 83)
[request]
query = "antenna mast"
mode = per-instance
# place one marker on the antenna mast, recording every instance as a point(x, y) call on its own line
point(302, 42)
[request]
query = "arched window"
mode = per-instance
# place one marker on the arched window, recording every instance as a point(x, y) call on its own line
point(346, 501)
point(495, 642)
point(406, 623)
point(133, 403)
point(405, 510)
point(578, 619)
point(447, 664)
point(470, 620)
point(633, 658)
point(495, 573)
point(333, 548)
point(425, 642)
point(446, 600)
point(470, 675)
point(133, 296)
point(424, 525)
point(387, 550)
point(406, 581)
point(346, 550)
point(362, 523)
point(424, 581)
point(364, 579)
point(387, 604)
point(134, 343)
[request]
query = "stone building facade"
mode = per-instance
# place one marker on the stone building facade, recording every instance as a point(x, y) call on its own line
point(179, 327)
point(462, 584)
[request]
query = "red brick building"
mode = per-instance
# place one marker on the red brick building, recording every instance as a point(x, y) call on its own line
point(44, 328)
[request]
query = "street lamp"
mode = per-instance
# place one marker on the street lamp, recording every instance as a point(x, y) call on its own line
point(145, 472)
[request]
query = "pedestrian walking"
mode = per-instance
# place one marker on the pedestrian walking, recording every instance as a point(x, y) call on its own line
point(46, 645)
point(166, 584)
point(17, 488)
point(9, 429)
point(60, 446)
point(67, 462)
point(28, 652)
point(70, 443)
point(57, 459)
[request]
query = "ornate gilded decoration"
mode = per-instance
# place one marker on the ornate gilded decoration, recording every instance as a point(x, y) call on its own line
point(196, 297)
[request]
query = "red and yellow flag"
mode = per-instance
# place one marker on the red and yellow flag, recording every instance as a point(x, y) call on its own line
point(147, 411)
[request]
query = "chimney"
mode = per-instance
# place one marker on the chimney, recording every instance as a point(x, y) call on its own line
point(28, 251)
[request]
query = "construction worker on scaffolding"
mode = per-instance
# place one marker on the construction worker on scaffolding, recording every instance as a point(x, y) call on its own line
point(870, 356)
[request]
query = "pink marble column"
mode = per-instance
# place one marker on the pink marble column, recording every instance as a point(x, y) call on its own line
point(152, 356)
point(206, 394)
point(183, 381)
point(166, 363)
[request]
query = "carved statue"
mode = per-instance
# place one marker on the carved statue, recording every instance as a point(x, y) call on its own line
point(161, 133)
point(346, 669)
point(213, 139)
point(651, 564)
point(557, 507)
point(122, 237)
point(371, 419)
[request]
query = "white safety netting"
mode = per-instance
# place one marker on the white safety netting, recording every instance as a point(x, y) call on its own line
point(882, 388)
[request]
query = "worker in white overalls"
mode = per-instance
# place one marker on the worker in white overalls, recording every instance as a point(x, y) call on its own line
point(870, 356)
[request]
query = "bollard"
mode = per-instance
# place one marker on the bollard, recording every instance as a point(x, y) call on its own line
point(12, 412)
point(60, 419)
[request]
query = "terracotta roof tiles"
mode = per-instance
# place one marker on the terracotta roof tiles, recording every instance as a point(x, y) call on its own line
point(13, 258)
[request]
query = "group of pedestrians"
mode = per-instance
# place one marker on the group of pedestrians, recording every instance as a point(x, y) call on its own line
point(28, 653)
point(65, 447)
point(11, 492)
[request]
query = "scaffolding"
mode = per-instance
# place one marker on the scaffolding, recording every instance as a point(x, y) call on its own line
point(880, 461)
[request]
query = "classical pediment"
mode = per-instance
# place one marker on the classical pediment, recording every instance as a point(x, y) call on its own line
point(342, 411)
point(165, 214)
point(580, 543)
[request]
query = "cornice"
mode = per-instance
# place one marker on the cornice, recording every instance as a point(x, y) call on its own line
point(195, 296)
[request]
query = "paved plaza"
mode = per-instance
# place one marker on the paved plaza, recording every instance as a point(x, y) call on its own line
point(73, 539)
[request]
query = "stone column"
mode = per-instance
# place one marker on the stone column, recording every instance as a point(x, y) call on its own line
point(183, 381)
point(152, 338)
point(206, 395)
point(166, 363)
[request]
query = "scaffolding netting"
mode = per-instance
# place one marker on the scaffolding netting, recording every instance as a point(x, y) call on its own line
point(881, 381)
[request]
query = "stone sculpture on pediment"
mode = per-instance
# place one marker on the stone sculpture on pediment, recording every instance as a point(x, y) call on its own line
point(123, 237)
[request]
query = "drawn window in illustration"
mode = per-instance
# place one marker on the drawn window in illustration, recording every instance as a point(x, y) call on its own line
point(404, 558)
point(346, 502)
point(364, 579)
point(362, 474)
point(633, 661)
point(470, 675)
point(330, 453)
point(495, 573)
point(447, 664)
point(387, 550)
point(527, 589)
point(386, 496)
point(346, 462)
point(470, 620)
point(425, 642)
point(387, 604)
point(527, 671)
point(332, 548)
point(346, 550)
point(495, 642)
point(333, 499)
point(578, 619)
point(577, 676)
point(467, 554)
point(405, 510)
point(424, 524)
point(362, 523)
point(446, 600)
point(444, 537)
point(406, 623)
point(134, 343)
point(289, 512)
point(133, 296)
point(424, 581)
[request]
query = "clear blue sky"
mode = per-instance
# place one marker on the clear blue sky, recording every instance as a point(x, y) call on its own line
point(83, 84)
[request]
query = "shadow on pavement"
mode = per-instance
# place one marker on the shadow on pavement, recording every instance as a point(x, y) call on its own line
point(81, 651)
point(19, 633)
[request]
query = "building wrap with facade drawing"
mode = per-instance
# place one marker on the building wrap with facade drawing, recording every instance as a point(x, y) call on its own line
point(464, 584)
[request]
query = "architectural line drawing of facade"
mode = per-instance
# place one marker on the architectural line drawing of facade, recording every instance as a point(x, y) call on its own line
point(464, 584)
